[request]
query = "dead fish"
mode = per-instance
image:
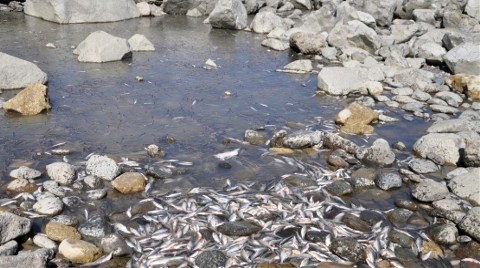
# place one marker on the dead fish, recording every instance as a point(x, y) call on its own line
point(227, 155)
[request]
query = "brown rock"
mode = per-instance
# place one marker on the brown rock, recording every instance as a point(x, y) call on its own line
point(21, 186)
point(129, 182)
point(465, 83)
point(286, 151)
point(30, 101)
point(60, 232)
point(357, 129)
point(430, 246)
point(78, 251)
point(357, 122)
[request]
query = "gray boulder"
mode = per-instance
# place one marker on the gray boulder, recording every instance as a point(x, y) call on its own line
point(380, 153)
point(9, 248)
point(404, 31)
point(429, 190)
point(100, 46)
point(469, 223)
point(472, 152)
point(265, 22)
point(473, 9)
point(464, 58)
point(466, 186)
point(31, 259)
point(308, 43)
point(387, 181)
point(302, 139)
point(343, 81)
point(102, 167)
point(442, 148)
point(61, 172)
point(457, 20)
point(432, 52)
point(82, 11)
point(354, 34)
point(13, 226)
point(228, 14)
point(24, 172)
point(381, 10)
point(139, 42)
point(17, 73)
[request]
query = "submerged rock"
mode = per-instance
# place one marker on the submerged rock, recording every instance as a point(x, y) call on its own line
point(349, 249)
point(211, 259)
point(129, 182)
point(30, 101)
point(17, 73)
point(100, 46)
point(241, 228)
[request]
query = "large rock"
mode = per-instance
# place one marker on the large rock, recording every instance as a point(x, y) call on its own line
point(102, 167)
point(302, 138)
point(469, 223)
point(129, 182)
point(354, 34)
point(265, 22)
point(342, 81)
point(472, 151)
point(381, 10)
point(13, 226)
point(464, 83)
point(358, 120)
point(59, 232)
point(380, 153)
point(31, 259)
point(24, 172)
point(308, 43)
point(30, 101)
point(100, 46)
point(78, 251)
point(177, 7)
point(228, 14)
point(464, 58)
point(466, 186)
point(97, 226)
point(473, 9)
point(139, 42)
point(61, 172)
point(82, 11)
point(429, 190)
point(442, 148)
point(17, 73)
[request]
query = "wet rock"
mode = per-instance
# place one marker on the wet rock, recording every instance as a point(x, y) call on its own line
point(129, 182)
point(116, 244)
point(432, 247)
point(445, 234)
point(59, 232)
point(61, 172)
point(454, 19)
point(334, 141)
point(228, 14)
point(300, 181)
point(337, 162)
point(265, 22)
point(13, 226)
point(32, 259)
point(275, 44)
point(78, 251)
point(97, 226)
point(49, 206)
point(380, 153)
point(343, 81)
point(92, 182)
point(429, 190)
point(303, 138)
point(41, 240)
point(387, 181)
point(275, 265)
point(399, 216)
point(24, 172)
point(54, 188)
point(357, 121)
point(65, 219)
point(401, 238)
point(464, 58)
point(30, 101)
point(349, 249)
point(356, 223)
point(339, 188)
point(102, 167)
point(139, 42)
point(144, 9)
point(9, 248)
point(469, 250)
point(154, 151)
point(177, 7)
point(17, 73)
point(298, 66)
point(21, 186)
point(308, 43)
point(440, 148)
point(100, 46)
point(354, 34)
point(466, 186)
point(240, 228)
point(211, 259)
point(360, 183)
point(255, 137)
point(423, 166)
point(96, 194)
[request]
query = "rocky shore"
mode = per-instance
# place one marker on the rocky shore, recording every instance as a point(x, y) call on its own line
point(380, 205)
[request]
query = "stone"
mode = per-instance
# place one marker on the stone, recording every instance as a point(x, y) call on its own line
point(387, 181)
point(452, 126)
point(100, 46)
point(472, 152)
point(349, 248)
point(31, 259)
point(24, 172)
point(59, 232)
point(457, 20)
point(65, 220)
point(54, 188)
point(421, 96)
point(22, 186)
point(445, 234)
point(265, 22)
point(400, 238)
point(357, 122)
point(464, 83)
point(96, 226)
point(156, 11)
point(82, 11)
point(144, 9)
point(469, 223)
point(464, 58)
point(16, 73)
point(451, 98)
point(9, 248)
point(354, 34)
point(424, 15)
point(30, 101)
point(402, 33)
point(442, 148)
point(41, 240)
point(254, 137)
point(337, 162)
point(61, 172)
point(298, 66)
point(429, 190)
point(78, 251)
point(96, 194)
point(211, 259)
point(382, 11)
point(129, 182)
point(473, 9)
point(343, 80)
point(139, 42)
point(466, 187)
point(241, 228)
point(228, 14)
point(422, 166)
point(339, 188)
point(380, 153)
point(13, 226)
point(308, 43)
point(399, 216)
point(443, 109)
point(302, 139)
point(115, 244)
point(275, 44)
point(102, 167)
point(356, 223)
point(334, 141)
point(48, 206)
point(432, 52)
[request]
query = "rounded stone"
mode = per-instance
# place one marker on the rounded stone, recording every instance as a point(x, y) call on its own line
point(41, 240)
point(78, 251)
point(21, 186)
point(24, 172)
point(65, 219)
point(102, 167)
point(116, 244)
point(129, 182)
point(339, 188)
point(422, 166)
point(349, 249)
point(241, 228)
point(60, 232)
point(61, 172)
point(429, 190)
point(211, 259)
point(445, 234)
point(48, 206)
point(387, 181)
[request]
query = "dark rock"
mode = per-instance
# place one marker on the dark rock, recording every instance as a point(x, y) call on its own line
point(469, 250)
point(349, 249)
point(211, 259)
point(334, 141)
point(387, 181)
point(241, 228)
point(356, 223)
point(399, 216)
point(339, 188)
point(300, 181)
point(445, 234)
point(316, 237)
point(97, 226)
point(401, 238)
point(407, 204)
point(337, 162)
point(371, 217)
